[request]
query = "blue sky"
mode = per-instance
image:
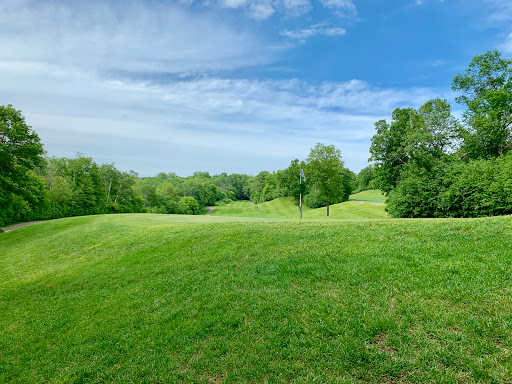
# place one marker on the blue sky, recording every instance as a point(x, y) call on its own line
point(232, 85)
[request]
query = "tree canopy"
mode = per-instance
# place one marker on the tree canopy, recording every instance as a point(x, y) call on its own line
point(430, 165)
point(486, 88)
point(326, 171)
point(21, 151)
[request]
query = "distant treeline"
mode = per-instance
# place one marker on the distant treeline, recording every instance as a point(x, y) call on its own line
point(34, 187)
point(427, 162)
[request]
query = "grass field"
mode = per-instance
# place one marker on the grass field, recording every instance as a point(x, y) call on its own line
point(143, 298)
point(365, 207)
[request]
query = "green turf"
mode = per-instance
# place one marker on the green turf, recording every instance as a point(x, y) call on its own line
point(368, 205)
point(166, 299)
point(371, 196)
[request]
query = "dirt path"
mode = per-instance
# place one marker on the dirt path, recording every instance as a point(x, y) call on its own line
point(210, 210)
point(7, 229)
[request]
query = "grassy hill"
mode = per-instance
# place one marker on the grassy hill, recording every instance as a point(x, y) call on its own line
point(366, 205)
point(141, 298)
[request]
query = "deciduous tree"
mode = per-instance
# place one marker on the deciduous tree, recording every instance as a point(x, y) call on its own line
point(20, 153)
point(325, 169)
point(486, 88)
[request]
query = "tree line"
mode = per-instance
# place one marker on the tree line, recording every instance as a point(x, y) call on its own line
point(429, 164)
point(34, 186)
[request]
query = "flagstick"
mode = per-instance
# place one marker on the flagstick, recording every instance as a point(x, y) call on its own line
point(301, 177)
point(300, 205)
point(300, 196)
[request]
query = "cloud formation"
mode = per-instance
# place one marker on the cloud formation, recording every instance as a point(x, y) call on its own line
point(501, 10)
point(507, 45)
point(314, 30)
point(240, 120)
point(140, 87)
point(342, 7)
point(264, 9)
point(123, 37)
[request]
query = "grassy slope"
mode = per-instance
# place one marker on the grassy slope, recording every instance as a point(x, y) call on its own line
point(371, 196)
point(285, 208)
point(159, 298)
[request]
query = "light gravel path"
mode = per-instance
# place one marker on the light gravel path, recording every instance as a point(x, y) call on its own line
point(210, 210)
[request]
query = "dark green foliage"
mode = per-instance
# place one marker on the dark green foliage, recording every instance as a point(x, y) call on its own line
point(203, 190)
point(328, 178)
point(21, 191)
point(288, 180)
point(313, 199)
point(432, 167)
point(164, 193)
point(365, 178)
point(237, 183)
point(188, 206)
point(418, 137)
point(486, 88)
point(79, 186)
point(417, 193)
point(455, 189)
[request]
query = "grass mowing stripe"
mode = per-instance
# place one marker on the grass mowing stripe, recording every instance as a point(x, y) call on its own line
point(369, 205)
point(136, 298)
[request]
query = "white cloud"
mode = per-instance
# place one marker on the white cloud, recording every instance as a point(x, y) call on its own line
point(338, 4)
point(215, 124)
point(61, 66)
point(507, 46)
point(501, 10)
point(127, 37)
point(263, 9)
point(314, 30)
point(233, 3)
point(342, 7)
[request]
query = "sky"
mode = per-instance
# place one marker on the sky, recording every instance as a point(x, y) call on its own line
point(236, 86)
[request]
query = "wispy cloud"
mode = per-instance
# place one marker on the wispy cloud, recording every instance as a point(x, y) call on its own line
point(128, 37)
point(233, 121)
point(70, 69)
point(262, 9)
point(501, 10)
point(314, 30)
point(342, 7)
point(507, 45)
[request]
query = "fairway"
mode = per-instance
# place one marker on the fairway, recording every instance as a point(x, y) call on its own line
point(142, 298)
point(366, 205)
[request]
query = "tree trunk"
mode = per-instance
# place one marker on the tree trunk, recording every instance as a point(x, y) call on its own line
point(327, 207)
point(118, 191)
point(108, 192)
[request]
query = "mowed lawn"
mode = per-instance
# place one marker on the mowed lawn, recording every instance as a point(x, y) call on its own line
point(142, 298)
point(366, 205)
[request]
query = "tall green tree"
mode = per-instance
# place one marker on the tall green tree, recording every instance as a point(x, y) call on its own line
point(486, 88)
point(325, 169)
point(21, 191)
point(365, 178)
point(388, 147)
point(413, 139)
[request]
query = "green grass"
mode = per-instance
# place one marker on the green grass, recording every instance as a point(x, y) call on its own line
point(371, 196)
point(369, 205)
point(166, 299)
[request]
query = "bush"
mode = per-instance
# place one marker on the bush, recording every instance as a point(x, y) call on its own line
point(188, 206)
point(455, 189)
